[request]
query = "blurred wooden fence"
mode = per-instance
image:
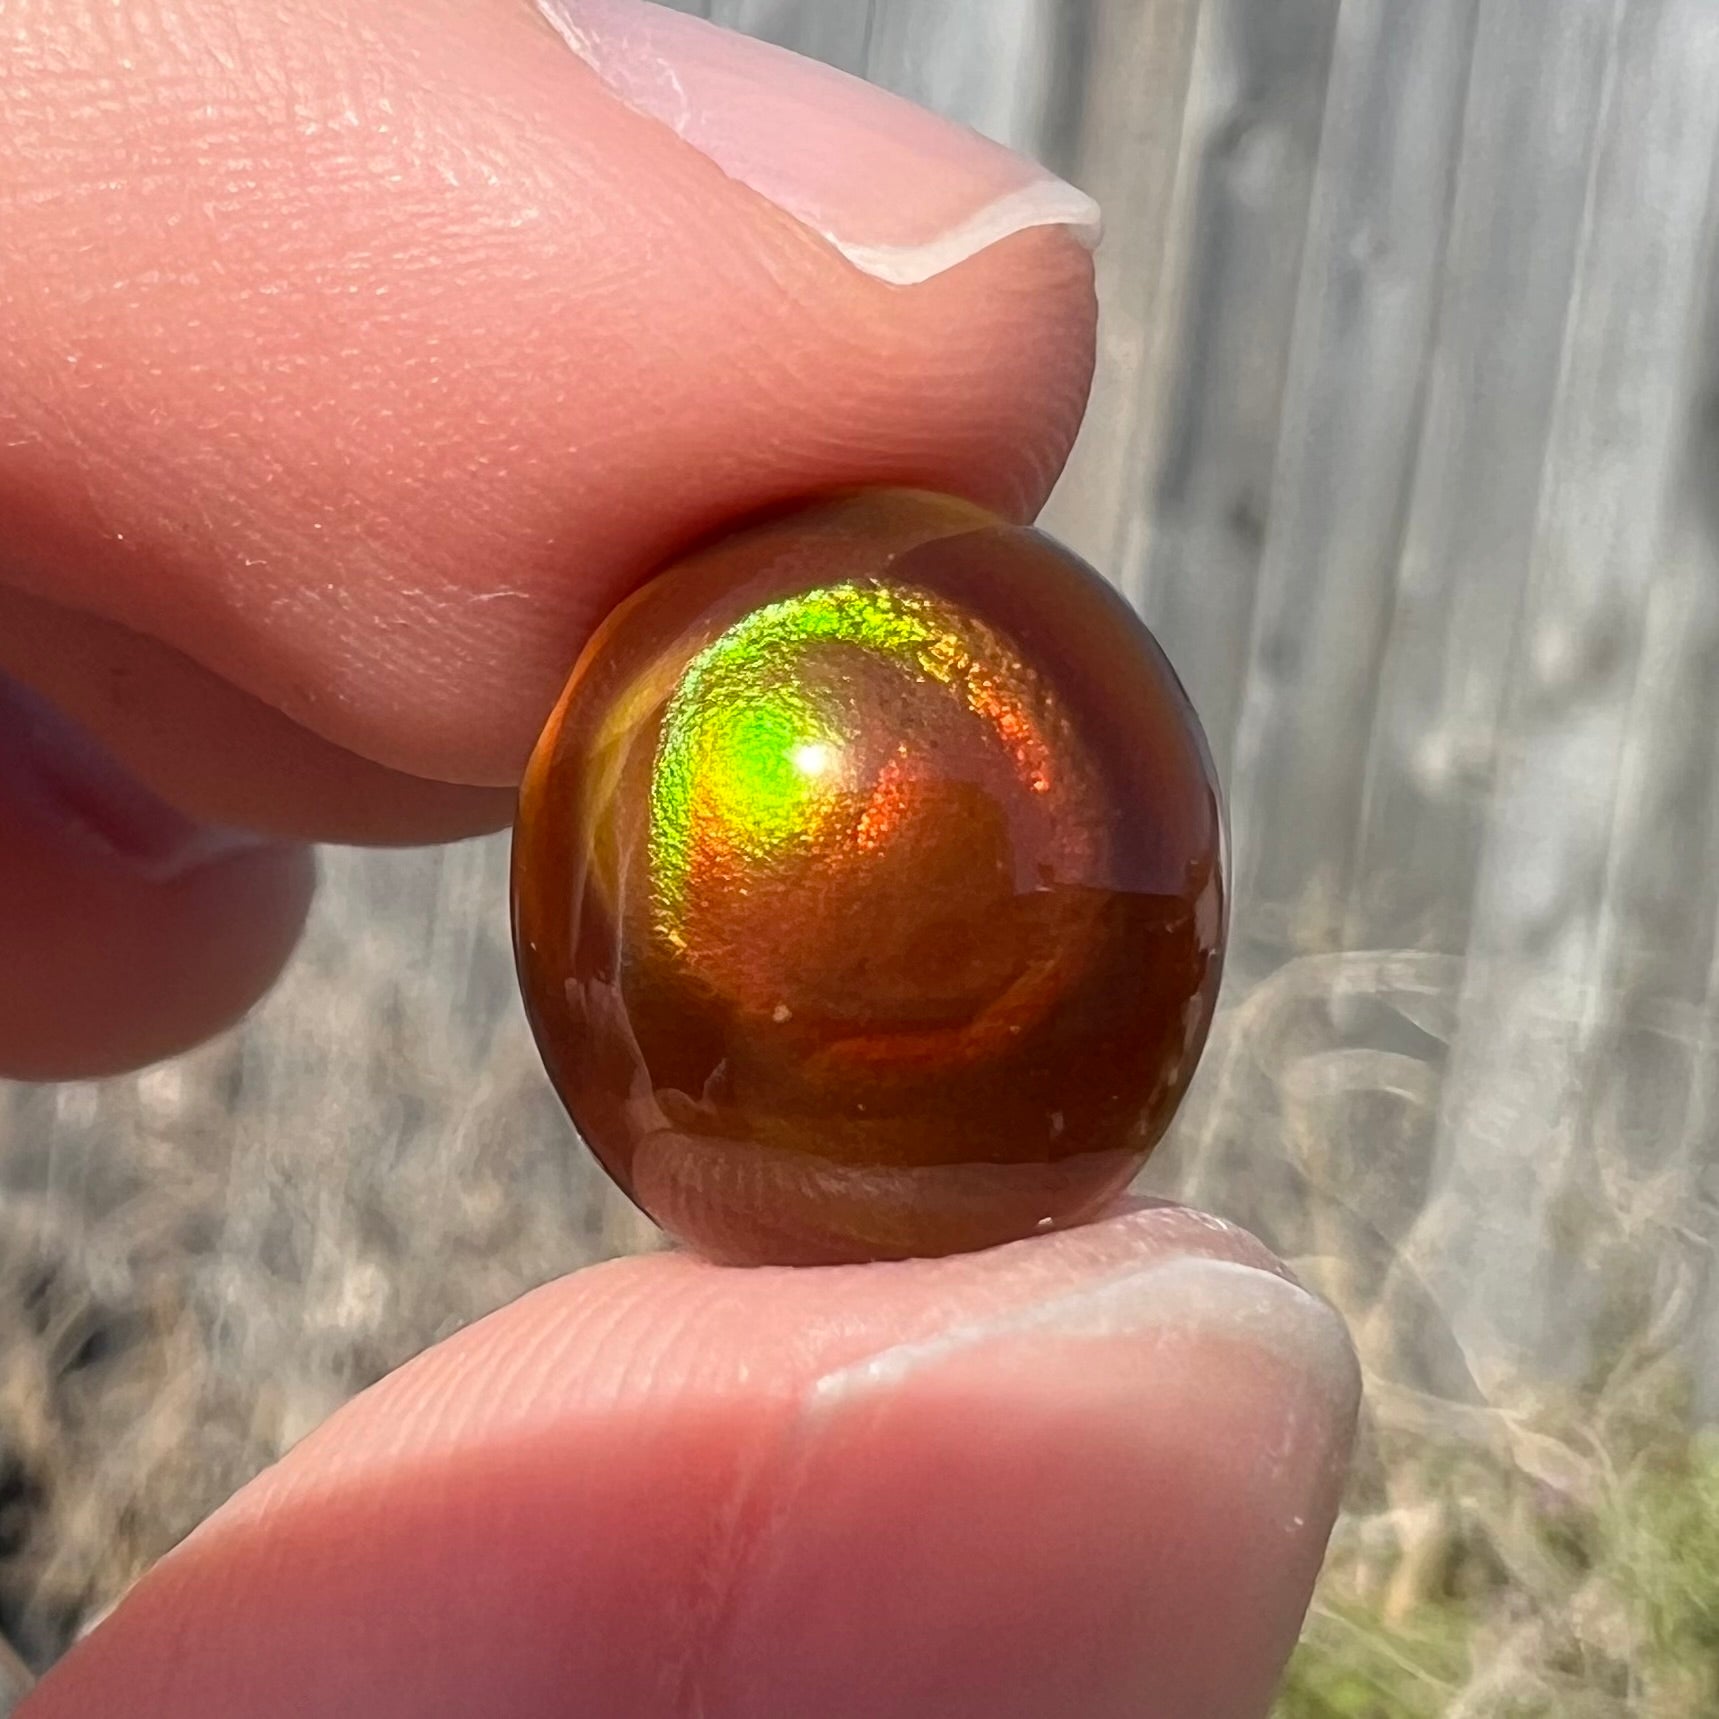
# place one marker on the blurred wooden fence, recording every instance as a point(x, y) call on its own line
point(1406, 440)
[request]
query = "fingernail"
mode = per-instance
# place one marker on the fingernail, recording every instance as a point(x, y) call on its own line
point(1172, 1303)
point(53, 766)
point(902, 193)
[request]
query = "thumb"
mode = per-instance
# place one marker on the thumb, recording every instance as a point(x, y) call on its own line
point(1091, 1473)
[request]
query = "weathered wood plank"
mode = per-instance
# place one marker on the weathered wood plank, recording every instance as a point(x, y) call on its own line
point(987, 63)
point(1534, 104)
point(1652, 1106)
point(1339, 490)
point(1189, 550)
point(1534, 1006)
point(1118, 134)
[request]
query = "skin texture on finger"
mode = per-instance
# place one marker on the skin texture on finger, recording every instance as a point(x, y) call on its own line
point(217, 753)
point(364, 351)
point(127, 932)
point(1089, 1473)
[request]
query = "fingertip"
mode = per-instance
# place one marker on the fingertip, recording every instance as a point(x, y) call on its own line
point(1017, 325)
point(128, 932)
point(110, 977)
point(1106, 1526)
point(478, 348)
point(1088, 1473)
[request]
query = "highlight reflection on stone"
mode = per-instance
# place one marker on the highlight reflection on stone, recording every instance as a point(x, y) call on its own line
point(868, 890)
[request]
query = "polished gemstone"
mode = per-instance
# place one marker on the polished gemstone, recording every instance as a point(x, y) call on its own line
point(868, 889)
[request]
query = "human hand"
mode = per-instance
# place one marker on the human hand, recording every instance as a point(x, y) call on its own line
point(354, 358)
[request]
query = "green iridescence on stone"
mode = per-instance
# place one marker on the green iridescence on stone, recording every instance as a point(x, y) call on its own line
point(747, 756)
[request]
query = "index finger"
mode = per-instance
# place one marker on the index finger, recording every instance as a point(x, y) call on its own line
point(361, 352)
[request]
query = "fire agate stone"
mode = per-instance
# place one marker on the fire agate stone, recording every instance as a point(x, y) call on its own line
point(868, 887)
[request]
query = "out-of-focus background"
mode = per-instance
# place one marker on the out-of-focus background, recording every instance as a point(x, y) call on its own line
point(1406, 441)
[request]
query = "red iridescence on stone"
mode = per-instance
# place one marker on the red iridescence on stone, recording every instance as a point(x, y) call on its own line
point(868, 887)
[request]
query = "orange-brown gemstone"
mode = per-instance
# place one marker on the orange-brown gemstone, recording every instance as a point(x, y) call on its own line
point(868, 890)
